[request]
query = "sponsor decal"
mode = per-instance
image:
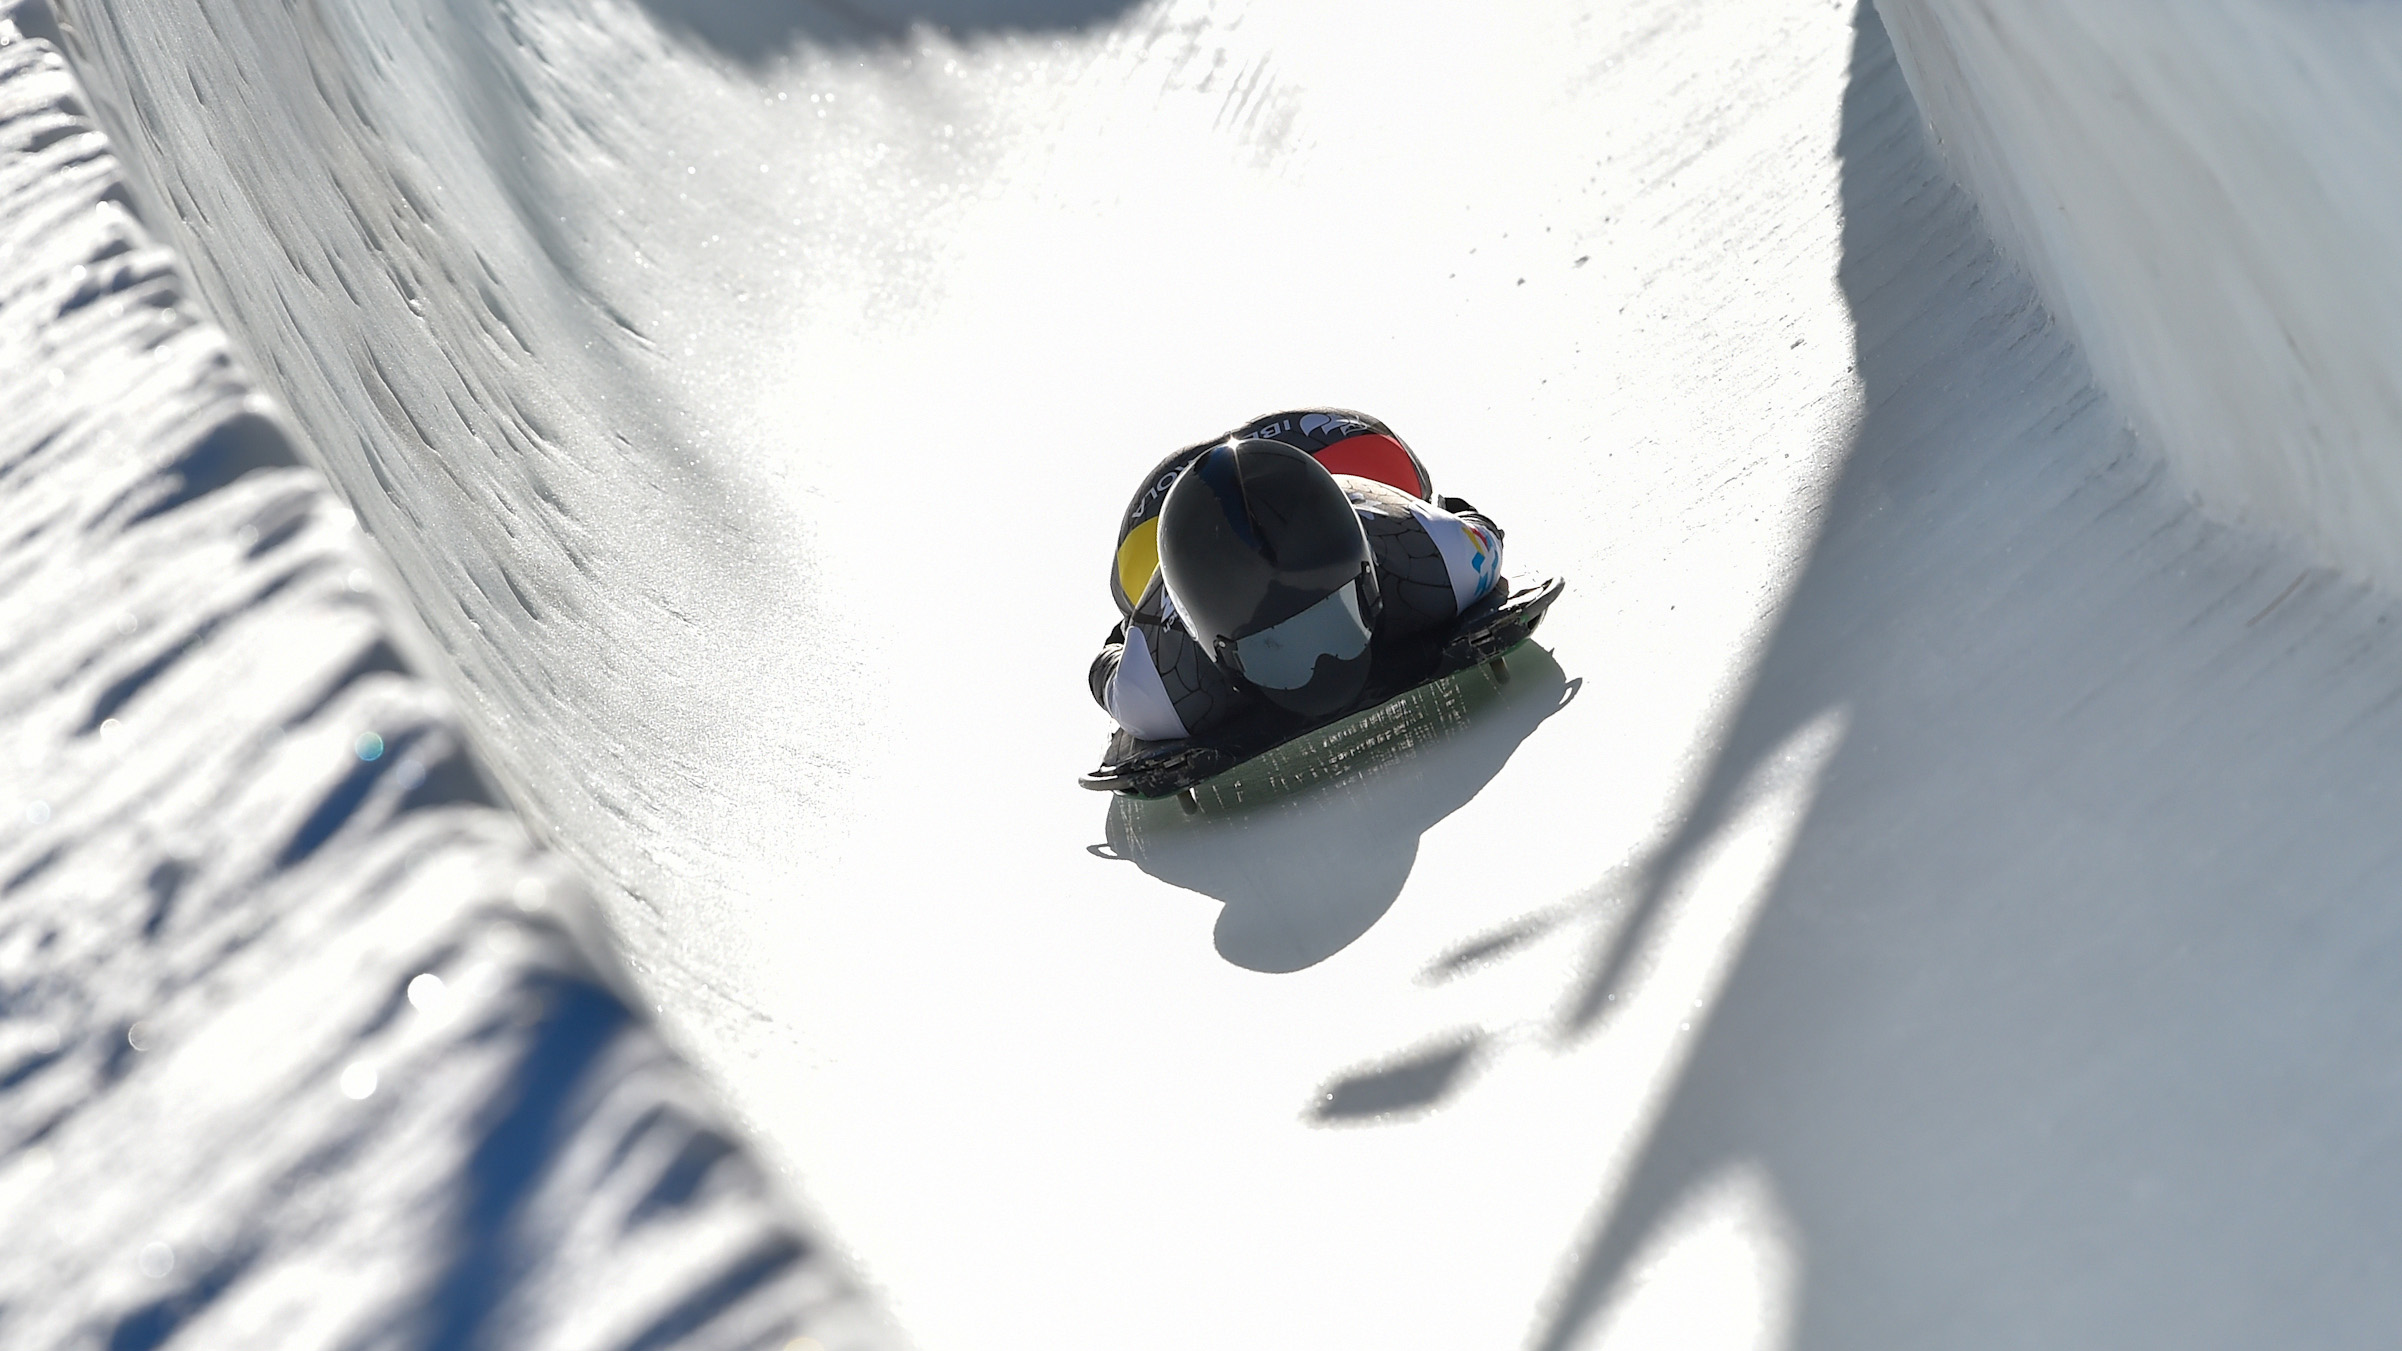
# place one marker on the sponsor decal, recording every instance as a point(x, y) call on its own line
point(1482, 547)
point(1157, 493)
point(1332, 426)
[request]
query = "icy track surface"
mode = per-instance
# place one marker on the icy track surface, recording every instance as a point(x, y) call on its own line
point(1933, 887)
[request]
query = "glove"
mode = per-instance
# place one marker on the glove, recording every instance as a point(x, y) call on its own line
point(1460, 506)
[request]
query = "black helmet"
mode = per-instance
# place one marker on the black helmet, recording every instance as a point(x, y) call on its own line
point(1265, 557)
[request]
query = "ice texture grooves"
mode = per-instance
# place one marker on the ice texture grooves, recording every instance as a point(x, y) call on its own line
point(2208, 194)
point(302, 1042)
point(374, 193)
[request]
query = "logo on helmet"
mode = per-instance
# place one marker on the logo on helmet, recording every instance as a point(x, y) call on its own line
point(1332, 426)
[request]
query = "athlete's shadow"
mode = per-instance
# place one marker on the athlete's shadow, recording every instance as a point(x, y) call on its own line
point(1309, 846)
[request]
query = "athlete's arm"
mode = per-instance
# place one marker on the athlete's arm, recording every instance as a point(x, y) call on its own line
point(1157, 682)
point(1459, 506)
point(1470, 544)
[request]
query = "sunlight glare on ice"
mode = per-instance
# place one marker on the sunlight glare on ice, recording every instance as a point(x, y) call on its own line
point(1720, 1274)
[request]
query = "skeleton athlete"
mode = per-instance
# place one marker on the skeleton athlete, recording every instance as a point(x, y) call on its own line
point(1259, 574)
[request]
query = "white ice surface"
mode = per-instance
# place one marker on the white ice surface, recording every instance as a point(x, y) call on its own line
point(1933, 890)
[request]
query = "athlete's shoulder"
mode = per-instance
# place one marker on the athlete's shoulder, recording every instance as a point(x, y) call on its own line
point(1370, 497)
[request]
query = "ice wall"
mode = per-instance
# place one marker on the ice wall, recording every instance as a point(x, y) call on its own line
point(303, 1043)
point(2208, 194)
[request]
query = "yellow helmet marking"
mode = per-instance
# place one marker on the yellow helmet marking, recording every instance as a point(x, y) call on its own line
point(1138, 558)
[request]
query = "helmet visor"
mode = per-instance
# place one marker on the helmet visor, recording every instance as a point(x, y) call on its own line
point(1286, 656)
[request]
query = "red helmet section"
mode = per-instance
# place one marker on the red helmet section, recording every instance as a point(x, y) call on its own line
point(1375, 457)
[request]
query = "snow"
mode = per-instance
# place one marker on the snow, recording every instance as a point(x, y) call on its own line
point(302, 1042)
point(1930, 886)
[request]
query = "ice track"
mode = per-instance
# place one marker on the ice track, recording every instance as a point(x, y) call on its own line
point(1932, 888)
point(302, 1043)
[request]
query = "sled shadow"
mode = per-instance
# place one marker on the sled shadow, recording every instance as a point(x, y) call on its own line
point(1310, 845)
point(753, 32)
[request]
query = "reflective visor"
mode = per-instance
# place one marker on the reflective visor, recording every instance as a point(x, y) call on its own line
point(1286, 656)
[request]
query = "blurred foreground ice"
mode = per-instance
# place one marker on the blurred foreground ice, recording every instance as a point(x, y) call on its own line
point(302, 1042)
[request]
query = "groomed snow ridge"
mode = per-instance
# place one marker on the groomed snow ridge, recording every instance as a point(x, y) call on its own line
point(303, 1042)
